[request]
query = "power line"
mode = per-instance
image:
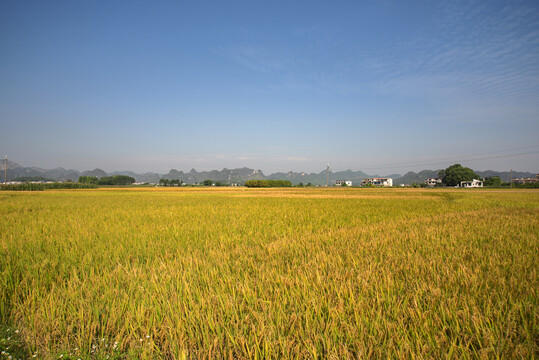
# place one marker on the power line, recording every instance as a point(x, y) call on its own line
point(444, 161)
point(473, 157)
point(449, 158)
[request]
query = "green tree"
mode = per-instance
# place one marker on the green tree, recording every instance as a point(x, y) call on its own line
point(453, 175)
point(116, 180)
point(207, 183)
point(122, 180)
point(268, 183)
point(493, 181)
point(88, 179)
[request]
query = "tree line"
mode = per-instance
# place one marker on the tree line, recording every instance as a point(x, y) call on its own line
point(107, 180)
point(268, 183)
point(167, 182)
point(46, 186)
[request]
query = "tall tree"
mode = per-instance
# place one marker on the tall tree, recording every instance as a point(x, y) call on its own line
point(453, 175)
point(493, 181)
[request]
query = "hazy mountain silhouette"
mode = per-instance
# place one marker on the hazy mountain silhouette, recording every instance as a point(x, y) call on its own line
point(238, 176)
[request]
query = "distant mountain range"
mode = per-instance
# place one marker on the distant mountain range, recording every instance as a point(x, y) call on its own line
point(238, 176)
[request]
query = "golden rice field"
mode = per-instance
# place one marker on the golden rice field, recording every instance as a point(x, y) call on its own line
point(269, 273)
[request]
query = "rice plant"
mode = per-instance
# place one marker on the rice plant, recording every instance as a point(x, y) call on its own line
point(270, 273)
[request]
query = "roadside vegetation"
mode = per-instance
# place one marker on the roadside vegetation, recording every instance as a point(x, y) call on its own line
point(269, 273)
point(45, 186)
point(107, 180)
point(267, 183)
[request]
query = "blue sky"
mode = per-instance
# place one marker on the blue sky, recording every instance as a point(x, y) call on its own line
point(380, 86)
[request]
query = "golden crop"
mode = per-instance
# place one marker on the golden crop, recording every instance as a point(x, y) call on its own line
point(270, 273)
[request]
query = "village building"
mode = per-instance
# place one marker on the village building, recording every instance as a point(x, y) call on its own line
point(526, 180)
point(432, 182)
point(475, 183)
point(377, 181)
point(343, 183)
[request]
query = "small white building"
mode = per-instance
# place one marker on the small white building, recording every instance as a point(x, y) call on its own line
point(11, 182)
point(432, 182)
point(526, 180)
point(377, 181)
point(343, 183)
point(475, 183)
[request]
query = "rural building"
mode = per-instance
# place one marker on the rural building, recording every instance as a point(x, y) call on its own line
point(11, 182)
point(475, 183)
point(433, 181)
point(343, 182)
point(377, 181)
point(526, 180)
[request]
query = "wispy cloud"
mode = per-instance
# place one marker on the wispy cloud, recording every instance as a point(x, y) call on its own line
point(256, 58)
point(476, 52)
point(482, 55)
point(298, 64)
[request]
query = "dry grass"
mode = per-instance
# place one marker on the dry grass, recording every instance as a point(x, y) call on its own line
point(271, 273)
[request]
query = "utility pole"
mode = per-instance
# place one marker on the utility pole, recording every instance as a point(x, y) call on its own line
point(511, 178)
point(5, 172)
point(327, 176)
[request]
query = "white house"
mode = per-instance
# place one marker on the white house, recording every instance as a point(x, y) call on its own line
point(433, 181)
point(475, 183)
point(377, 181)
point(343, 182)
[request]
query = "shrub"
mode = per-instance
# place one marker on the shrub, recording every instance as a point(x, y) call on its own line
point(268, 183)
point(48, 186)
